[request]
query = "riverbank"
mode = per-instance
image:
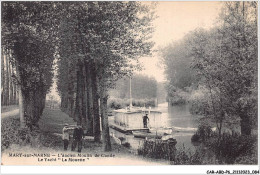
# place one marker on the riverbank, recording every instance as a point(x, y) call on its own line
point(49, 141)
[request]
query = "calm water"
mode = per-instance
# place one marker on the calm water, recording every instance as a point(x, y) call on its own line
point(174, 116)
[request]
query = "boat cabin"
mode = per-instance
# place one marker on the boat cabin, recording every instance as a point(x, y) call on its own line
point(133, 119)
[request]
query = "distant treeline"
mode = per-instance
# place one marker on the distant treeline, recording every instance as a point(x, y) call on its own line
point(9, 89)
point(142, 87)
point(146, 91)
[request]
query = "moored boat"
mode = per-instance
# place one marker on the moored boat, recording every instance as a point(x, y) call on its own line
point(139, 134)
point(179, 129)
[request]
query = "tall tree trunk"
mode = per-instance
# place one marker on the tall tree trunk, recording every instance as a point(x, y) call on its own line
point(20, 98)
point(43, 102)
point(104, 118)
point(29, 108)
point(62, 102)
point(246, 127)
point(71, 91)
point(79, 94)
point(84, 98)
point(39, 104)
point(96, 121)
point(21, 107)
point(15, 93)
point(76, 115)
point(35, 102)
point(90, 114)
point(2, 78)
point(7, 79)
point(11, 95)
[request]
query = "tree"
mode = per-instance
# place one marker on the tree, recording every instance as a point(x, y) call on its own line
point(119, 45)
point(177, 62)
point(104, 37)
point(226, 58)
point(143, 87)
point(28, 33)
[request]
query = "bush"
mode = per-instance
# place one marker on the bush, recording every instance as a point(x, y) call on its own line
point(177, 96)
point(12, 134)
point(234, 148)
point(198, 101)
point(117, 103)
point(162, 150)
point(176, 100)
point(229, 148)
point(203, 133)
point(158, 149)
point(127, 145)
point(199, 157)
point(9, 132)
point(195, 138)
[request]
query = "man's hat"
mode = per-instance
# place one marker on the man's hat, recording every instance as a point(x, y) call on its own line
point(66, 124)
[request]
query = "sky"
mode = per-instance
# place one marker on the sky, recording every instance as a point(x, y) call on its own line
point(175, 19)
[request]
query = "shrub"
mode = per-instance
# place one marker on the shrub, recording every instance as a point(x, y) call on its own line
point(198, 101)
point(187, 157)
point(162, 150)
point(9, 132)
point(234, 148)
point(158, 149)
point(117, 103)
point(182, 157)
point(195, 138)
point(176, 100)
point(126, 144)
point(202, 134)
point(150, 103)
point(177, 96)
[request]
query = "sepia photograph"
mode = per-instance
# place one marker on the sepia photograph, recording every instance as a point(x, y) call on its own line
point(130, 83)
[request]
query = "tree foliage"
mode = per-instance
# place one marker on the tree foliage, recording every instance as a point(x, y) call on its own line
point(177, 61)
point(99, 42)
point(143, 87)
point(225, 61)
point(28, 32)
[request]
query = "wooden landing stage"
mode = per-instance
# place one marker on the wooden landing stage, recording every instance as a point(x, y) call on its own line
point(126, 130)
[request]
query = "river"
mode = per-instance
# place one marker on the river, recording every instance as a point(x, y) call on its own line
point(173, 116)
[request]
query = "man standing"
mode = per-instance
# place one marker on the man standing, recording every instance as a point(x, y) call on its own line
point(65, 136)
point(78, 135)
point(145, 120)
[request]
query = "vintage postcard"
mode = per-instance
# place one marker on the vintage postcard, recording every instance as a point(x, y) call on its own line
point(130, 83)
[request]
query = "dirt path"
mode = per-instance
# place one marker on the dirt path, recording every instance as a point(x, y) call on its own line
point(10, 113)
